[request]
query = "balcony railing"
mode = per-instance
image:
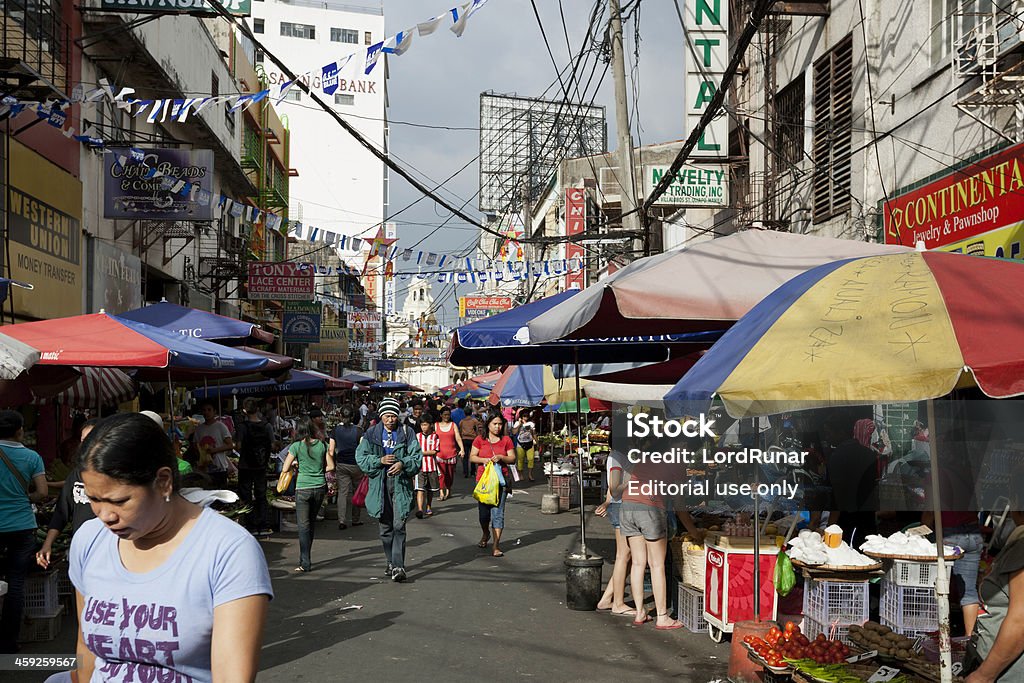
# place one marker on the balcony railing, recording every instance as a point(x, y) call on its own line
point(34, 34)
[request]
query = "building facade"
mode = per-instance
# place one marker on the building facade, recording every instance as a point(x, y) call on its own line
point(342, 186)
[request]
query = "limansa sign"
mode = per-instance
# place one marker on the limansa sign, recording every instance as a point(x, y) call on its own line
point(240, 8)
point(284, 281)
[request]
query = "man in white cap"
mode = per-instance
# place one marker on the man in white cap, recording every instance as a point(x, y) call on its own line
point(390, 456)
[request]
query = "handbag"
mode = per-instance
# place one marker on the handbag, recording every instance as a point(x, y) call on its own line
point(359, 497)
point(14, 471)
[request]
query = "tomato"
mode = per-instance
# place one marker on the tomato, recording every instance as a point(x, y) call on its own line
point(820, 638)
point(801, 639)
point(790, 626)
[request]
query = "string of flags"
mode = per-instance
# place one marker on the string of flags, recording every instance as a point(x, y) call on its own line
point(470, 270)
point(55, 111)
point(461, 270)
point(362, 61)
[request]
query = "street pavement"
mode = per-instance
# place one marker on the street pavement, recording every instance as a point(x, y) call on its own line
point(462, 615)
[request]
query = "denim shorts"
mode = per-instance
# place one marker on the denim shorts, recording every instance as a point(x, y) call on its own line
point(643, 520)
point(493, 515)
point(967, 566)
point(613, 514)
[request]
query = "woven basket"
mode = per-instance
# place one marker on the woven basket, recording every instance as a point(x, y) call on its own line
point(693, 565)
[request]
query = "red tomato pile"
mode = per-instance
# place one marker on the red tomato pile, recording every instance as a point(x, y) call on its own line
point(788, 643)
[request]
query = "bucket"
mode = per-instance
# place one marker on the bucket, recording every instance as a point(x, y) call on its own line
point(583, 582)
point(741, 667)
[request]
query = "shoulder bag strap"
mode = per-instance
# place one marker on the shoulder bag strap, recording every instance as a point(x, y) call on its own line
point(14, 471)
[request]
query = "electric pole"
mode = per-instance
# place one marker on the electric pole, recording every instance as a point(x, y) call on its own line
point(627, 177)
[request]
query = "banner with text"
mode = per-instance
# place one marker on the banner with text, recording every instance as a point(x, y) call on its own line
point(284, 281)
point(301, 322)
point(692, 186)
point(975, 209)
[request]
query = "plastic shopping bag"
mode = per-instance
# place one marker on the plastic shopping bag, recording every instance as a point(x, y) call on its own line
point(785, 577)
point(501, 477)
point(486, 490)
point(359, 497)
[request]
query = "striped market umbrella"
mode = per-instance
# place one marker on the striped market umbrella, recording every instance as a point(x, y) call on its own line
point(96, 387)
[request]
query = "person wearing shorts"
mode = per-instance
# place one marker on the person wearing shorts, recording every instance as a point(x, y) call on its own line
point(614, 598)
point(643, 523)
point(427, 481)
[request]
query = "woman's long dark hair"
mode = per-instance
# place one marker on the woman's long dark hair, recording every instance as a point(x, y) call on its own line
point(129, 448)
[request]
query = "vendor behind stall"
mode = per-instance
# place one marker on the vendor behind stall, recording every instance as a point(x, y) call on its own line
point(998, 641)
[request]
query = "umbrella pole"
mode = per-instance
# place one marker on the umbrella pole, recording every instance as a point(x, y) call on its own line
point(941, 581)
point(579, 451)
point(551, 456)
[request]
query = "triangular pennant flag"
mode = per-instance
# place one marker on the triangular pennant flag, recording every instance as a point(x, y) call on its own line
point(329, 237)
point(398, 44)
point(372, 55)
point(429, 26)
point(460, 15)
point(357, 244)
point(407, 254)
point(431, 258)
point(329, 79)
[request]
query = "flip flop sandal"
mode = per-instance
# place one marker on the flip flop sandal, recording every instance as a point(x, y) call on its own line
point(498, 554)
point(481, 544)
point(637, 623)
point(627, 613)
point(671, 627)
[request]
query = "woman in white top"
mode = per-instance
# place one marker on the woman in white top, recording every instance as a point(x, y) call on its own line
point(614, 598)
point(524, 432)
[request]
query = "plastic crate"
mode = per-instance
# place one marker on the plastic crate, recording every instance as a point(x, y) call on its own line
point(691, 609)
point(921, 574)
point(41, 594)
point(837, 602)
point(908, 632)
point(958, 649)
point(811, 628)
point(39, 629)
point(908, 609)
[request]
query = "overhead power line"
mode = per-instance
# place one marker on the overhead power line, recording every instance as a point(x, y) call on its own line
point(219, 8)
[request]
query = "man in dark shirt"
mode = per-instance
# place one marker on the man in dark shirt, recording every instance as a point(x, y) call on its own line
point(853, 474)
point(255, 442)
point(342, 446)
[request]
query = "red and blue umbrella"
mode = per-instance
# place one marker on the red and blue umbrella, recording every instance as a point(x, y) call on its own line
point(102, 340)
point(197, 324)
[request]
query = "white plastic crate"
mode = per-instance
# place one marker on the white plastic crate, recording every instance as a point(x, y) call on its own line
point(837, 602)
point(908, 632)
point(38, 629)
point(909, 608)
point(691, 609)
point(41, 595)
point(811, 628)
point(65, 589)
point(921, 574)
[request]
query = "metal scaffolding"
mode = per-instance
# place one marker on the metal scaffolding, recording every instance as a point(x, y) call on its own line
point(522, 141)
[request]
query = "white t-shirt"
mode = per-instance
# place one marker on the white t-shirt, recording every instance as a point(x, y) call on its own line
point(212, 436)
point(526, 431)
point(613, 463)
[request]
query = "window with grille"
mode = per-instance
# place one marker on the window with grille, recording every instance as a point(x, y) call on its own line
point(368, 38)
point(257, 26)
point(344, 35)
point(789, 126)
point(346, 99)
point(290, 30)
point(833, 130)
